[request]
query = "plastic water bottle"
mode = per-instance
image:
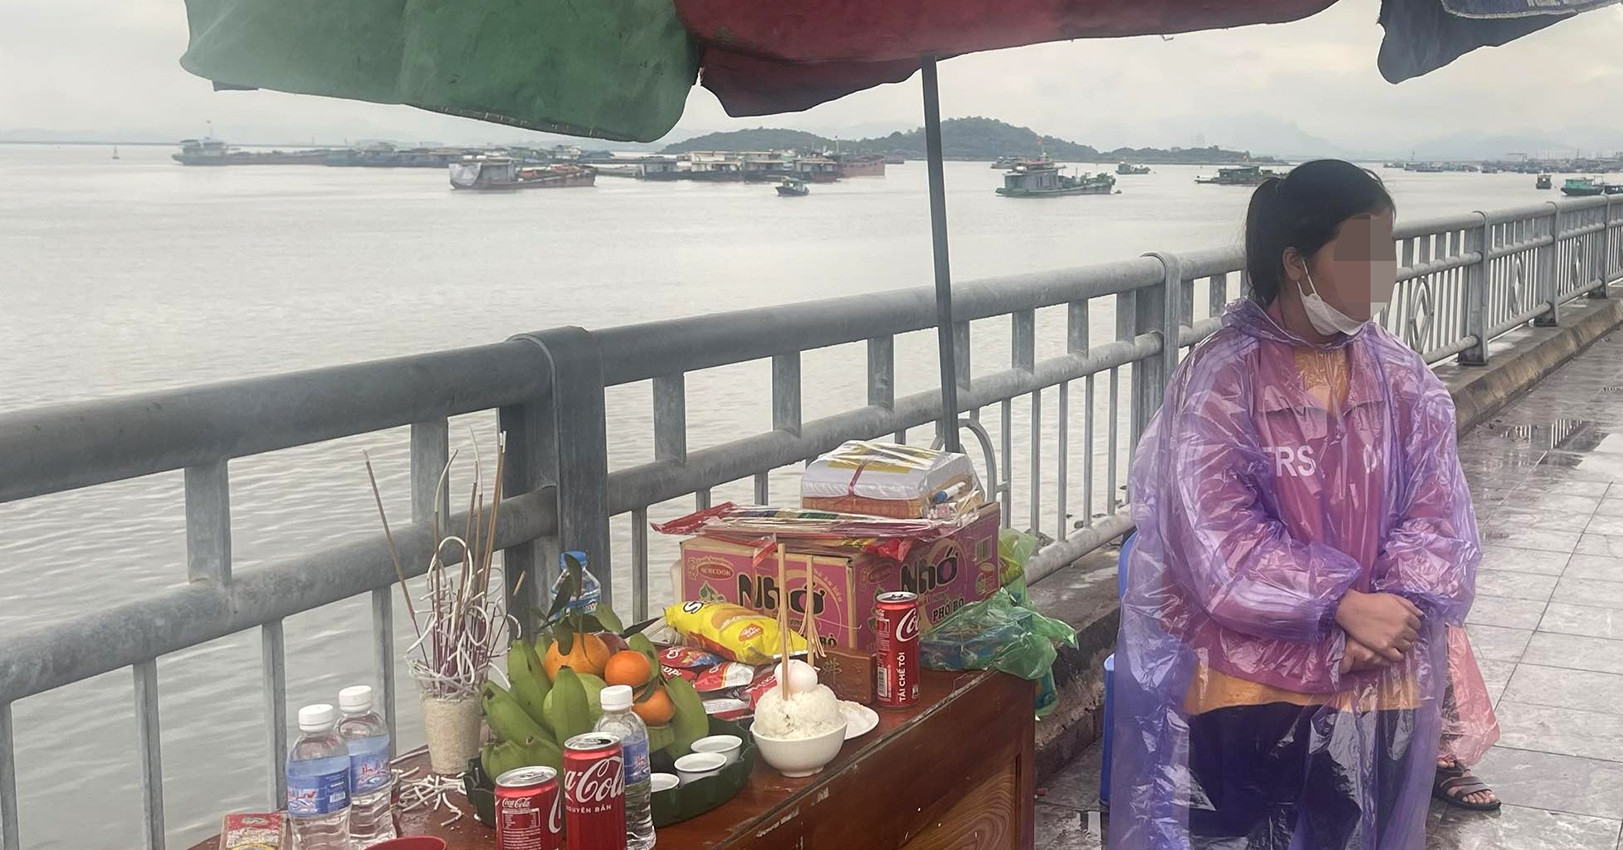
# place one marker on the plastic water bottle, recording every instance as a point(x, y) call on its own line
point(619, 719)
point(318, 782)
point(371, 782)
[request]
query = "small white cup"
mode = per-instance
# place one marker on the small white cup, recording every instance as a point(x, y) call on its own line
point(730, 746)
point(663, 781)
point(696, 766)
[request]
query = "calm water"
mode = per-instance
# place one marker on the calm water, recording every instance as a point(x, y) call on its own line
point(138, 274)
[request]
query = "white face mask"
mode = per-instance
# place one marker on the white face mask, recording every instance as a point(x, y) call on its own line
point(1327, 319)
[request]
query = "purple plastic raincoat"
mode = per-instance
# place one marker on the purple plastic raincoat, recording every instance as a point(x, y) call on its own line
point(1257, 509)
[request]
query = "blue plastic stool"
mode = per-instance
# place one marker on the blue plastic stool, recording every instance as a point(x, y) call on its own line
point(1110, 675)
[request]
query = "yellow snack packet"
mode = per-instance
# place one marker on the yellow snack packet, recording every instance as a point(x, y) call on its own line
point(731, 630)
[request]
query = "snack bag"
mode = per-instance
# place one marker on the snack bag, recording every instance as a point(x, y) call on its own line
point(732, 631)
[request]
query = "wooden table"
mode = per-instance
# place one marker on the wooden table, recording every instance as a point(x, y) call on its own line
point(954, 771)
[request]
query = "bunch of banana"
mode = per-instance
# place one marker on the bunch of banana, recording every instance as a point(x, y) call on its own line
point(534, 716)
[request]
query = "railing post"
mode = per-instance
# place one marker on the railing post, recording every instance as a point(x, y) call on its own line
point(1549, 260)
point(1603, 247)
point(560, 441)
point(1156, 310)
point(1477, 286)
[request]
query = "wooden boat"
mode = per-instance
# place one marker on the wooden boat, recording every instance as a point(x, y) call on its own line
point(1543, 182)
point(1247, 175)
point(792, 188)
point(1127, 168)
point(500, 173)
point(1044, 180)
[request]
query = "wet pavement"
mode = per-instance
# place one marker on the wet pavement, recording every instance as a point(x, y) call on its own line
point(1547, 479)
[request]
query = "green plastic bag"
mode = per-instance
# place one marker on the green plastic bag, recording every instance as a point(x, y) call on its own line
point(1014, 549)
point(997, 634)
point(609, 69)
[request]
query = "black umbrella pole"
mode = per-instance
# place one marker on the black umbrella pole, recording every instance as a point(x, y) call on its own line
point(948, 425)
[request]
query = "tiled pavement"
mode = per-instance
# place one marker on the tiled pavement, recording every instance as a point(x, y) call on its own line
point(1547, 480)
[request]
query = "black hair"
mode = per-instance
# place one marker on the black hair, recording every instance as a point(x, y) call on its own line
point(1304, 210)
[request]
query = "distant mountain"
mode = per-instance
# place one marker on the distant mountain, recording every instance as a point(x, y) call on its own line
point(757, 139)
point(961, 138)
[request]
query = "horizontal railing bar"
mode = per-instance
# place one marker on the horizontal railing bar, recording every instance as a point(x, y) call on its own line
point(1504, 251)
point(67, 446)
point(1434, 226)
point(1420, 270)
point(1446, 351)
point(1581, 230)
point(656, 482)
point(1060, 554)
point(1518, 320)
point(642, 351)
point(111, 637)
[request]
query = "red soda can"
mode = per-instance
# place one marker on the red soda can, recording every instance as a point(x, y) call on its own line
point(529, 810)
point(896, 648)
point(594, 792)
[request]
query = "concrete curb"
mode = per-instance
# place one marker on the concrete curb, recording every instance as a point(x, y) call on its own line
point(1084, 593)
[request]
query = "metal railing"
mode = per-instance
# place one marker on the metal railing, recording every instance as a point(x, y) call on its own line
point(1463, 281)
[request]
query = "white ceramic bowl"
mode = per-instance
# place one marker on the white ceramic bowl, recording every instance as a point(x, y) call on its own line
point(730, 746)
point(800, 756)
point(663, 781)
point(696, 766)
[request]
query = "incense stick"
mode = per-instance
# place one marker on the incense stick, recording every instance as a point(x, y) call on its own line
point(783, 622)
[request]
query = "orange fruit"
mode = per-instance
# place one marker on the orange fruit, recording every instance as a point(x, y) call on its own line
point(628, 667)
point(657, 709)
point(588, 655)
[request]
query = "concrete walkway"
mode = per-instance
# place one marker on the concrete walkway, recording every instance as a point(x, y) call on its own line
point(1547, 478)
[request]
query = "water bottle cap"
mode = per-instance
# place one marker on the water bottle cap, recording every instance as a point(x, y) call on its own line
point(616, 698)
point(357, 698)
point(315, 718)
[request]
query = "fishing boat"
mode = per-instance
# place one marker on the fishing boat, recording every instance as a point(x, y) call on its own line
point(1543, 182)
point(1246, 175)
point(1004, 163)
point(1126, 168)
point(1583, 187)
point(499, 173)
point(1044, 180)
point(792, 188)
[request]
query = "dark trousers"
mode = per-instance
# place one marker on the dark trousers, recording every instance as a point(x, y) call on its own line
point(1261, 772)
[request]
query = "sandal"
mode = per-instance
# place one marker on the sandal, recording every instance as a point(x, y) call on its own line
point(1455, 782)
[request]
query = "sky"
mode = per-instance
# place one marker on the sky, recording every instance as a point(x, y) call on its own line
point(109, 67)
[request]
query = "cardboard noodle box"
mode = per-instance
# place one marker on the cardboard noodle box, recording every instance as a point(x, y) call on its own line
point(947, 574)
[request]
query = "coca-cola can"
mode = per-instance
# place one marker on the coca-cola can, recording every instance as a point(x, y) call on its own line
point(594, 792)
point(896, 649)
point(529, 810)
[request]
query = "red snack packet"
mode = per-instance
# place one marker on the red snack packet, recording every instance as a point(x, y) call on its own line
point(687, 658)
point(727, 709)
point(725, 676)
point(679, 672)
point(251, 831)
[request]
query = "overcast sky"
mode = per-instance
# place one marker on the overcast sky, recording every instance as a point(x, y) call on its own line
point(111, 66)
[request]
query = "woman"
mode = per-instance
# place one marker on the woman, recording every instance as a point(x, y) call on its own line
point(1305, 539)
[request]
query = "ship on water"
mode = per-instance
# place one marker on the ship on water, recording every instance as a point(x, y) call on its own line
point(210, 151)
point(1245, 175)
point(1129, 168)
point(502, 173)
point(871, 165)
point(1045, 180)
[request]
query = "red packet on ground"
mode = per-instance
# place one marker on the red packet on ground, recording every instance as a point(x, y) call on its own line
point(251, 832)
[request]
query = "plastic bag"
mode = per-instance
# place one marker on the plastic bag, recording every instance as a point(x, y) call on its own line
point(997, 634)
point(890, 480)
point(1014, 549)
